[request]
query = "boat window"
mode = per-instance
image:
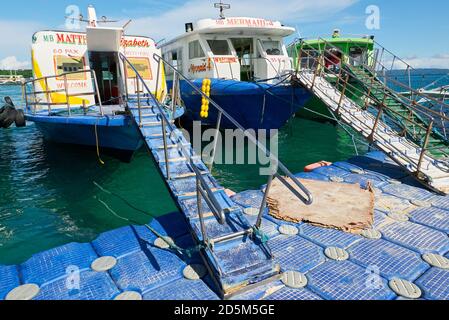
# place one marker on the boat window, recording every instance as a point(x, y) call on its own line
point(143, 67)
point(195, 50)
point(64, 64)
point(244, 47)
point(358, 56)
point(309, 59)
point(174, 57)
point(272, 48)
point(219, 47)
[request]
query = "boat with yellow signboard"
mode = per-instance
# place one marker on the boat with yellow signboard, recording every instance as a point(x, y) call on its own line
point(80, 88)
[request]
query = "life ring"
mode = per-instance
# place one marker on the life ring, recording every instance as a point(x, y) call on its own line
point(314, 166)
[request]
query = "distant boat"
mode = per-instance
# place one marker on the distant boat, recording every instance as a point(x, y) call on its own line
point(80, 90)
point(12, 79)
point(247, 64)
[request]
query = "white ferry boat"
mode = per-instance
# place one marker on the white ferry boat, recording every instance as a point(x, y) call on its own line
point(81, 87)
point(248, 65)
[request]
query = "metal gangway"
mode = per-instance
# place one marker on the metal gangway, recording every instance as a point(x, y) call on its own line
point(234, 250)
point(361, 93)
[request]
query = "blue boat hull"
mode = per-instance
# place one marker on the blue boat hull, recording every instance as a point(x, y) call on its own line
point(116, 133)
point(253, 105)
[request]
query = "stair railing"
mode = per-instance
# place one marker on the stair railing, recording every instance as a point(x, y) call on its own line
point(46, 91)
point(320, 65)
point(204, 192)
point(411, 102)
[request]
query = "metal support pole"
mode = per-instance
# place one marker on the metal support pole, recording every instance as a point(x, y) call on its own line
point(343, 92)
point(424, 148)
point(164, 137)
point(47, 95)
point(200, 210)
point(264, 201)
point(217, 132)
point(376, 123)
point(369, 94)
point(25, 94)
point(66, 87)
point(138, 101)
point(97, 90)
point(174, 94)
point(34, 96)
point(157, 79)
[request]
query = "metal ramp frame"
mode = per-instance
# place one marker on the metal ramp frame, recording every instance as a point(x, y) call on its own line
point(234, 251)
point(412, 157)
point(399, 105)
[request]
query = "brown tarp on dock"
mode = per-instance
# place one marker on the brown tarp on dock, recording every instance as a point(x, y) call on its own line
point(340, 206)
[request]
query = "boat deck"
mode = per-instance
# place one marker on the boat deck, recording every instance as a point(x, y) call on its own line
point(408, 242)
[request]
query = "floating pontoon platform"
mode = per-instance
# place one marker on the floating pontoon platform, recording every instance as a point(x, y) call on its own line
point(405, 255)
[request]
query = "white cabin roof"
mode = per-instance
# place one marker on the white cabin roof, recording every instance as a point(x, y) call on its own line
point(240, 26)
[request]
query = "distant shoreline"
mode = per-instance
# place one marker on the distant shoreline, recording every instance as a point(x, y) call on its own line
point(26, 73)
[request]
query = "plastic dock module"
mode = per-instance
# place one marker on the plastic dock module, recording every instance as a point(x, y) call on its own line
point(411, 255)
point(236, 263)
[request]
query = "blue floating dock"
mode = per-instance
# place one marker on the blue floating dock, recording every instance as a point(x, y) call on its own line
point(157, 274)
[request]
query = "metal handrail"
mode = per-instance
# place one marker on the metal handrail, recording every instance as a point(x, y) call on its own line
point(47, 92)
point(394, 94)
point(203, 189)
point(320, 67)
point(219, 212)
point(355, 89)
point(253, 139)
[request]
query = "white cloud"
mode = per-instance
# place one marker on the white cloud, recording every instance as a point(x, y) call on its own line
point(17, 38)
point(171, 23)
point(11, 63)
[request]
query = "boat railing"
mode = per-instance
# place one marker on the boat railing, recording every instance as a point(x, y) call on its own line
point(380, 60)
point(404, 124)
point(35, 102)
point(203, 190)
point(413, 95)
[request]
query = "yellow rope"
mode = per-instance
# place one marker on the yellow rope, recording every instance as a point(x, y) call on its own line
point(98, 147)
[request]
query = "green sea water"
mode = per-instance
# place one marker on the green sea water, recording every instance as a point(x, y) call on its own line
point(48, 197)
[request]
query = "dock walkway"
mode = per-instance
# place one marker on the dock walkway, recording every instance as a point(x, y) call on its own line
point(406, 249)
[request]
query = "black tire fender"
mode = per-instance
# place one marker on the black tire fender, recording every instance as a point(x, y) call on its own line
point(11, 114)
point(20, 120)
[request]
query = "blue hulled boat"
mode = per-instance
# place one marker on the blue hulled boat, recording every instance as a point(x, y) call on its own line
point(80, 90)
point(244, 66)
point(256, 105)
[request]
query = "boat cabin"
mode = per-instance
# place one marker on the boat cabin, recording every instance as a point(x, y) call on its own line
point(243, 49)
point(356, 51)
point(68, 67)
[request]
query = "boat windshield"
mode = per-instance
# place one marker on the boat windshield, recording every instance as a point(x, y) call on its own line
point(219, 47)
point(272, 48)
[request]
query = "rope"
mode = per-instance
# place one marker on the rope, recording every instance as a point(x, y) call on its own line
point(189, 252)
point(98, 146)
point(262, 236)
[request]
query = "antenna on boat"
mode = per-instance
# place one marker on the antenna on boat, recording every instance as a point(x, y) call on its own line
point(92, 20)
point(222, 6)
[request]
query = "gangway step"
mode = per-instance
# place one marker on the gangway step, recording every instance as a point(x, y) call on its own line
point(403, 151)
point(236, 264)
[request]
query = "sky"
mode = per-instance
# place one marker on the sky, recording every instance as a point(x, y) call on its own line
point(415, 30)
